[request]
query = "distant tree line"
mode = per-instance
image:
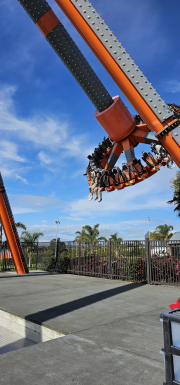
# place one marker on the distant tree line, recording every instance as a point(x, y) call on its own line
point(91, 234)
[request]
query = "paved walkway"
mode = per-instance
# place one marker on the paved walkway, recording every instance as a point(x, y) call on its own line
point(115, 335)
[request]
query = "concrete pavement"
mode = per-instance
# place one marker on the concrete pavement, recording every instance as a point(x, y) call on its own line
point(115, 335)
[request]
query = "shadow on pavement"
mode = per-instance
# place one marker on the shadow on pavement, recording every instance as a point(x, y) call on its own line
point(80, 303)
point(34, 274)
point(16, 345)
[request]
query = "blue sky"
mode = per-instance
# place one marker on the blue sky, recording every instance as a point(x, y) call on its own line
point(48, 128)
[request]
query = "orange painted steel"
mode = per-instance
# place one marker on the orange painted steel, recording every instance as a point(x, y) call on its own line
point(117, 148)
point(138, 136)
point(142, 127)
point(116, 120)
point(47, 22)
point(119, 77)
point(148, 172)
point(111, 66)
point(10, 237)
point(172, 147)
point(127, 144)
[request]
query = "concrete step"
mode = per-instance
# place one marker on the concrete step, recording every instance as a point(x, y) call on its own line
point(10, 341)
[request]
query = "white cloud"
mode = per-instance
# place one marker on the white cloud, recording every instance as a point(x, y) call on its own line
point(73, 219)
point(152, 193)
point(32, 203)
point(41, 131)
point(8, 150)
point(79, 172)
point(173, 86)
point(11, 170)
point(22, 179)
point(128, 230)
point(145, 195)
point(44, 158)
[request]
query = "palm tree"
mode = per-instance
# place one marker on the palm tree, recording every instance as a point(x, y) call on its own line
point(89, 234)
point(162, 232)
point(92, 232)
point(20, 225)
point(176, 193)
point(103, 239)
point(105, 242)
point(30, 239)
point(116, 240)
point(82, 236)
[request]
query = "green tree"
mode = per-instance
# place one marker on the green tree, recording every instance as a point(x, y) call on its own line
point(103, 239)
point(115, 238)
point(162, 232)
point(92, 232)
point(20, 225)
point(49, 258)
point(176, 193)
point(82, 236)
point(89, 234)
point(30, 239)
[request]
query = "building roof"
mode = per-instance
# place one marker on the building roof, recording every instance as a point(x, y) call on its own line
point(147, 235)
point(176, 236)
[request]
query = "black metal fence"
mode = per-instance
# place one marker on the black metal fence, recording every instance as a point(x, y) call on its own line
point(115, 260)
point(164, 262)
point(38, 255)
point(156, 262)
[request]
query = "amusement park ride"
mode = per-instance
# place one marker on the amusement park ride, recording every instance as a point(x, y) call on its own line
point(124, 131)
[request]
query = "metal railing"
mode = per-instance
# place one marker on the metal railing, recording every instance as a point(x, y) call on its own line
point(115, 260)
point(164, 263)
point(138, 261)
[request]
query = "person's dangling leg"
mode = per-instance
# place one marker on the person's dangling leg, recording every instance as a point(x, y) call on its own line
point(100, 194)
point(95, 193)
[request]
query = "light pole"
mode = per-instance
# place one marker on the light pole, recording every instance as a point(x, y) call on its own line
point(56, 248)
point(57, 223)
point(149, 225)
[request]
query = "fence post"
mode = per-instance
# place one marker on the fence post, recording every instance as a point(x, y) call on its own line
point(148, 260)
point(4, 266)
point(110, 261)
point(56, 254)
point(79, 258)
point(37, 255)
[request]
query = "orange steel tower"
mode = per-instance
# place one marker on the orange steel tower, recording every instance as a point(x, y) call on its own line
point(10, 230)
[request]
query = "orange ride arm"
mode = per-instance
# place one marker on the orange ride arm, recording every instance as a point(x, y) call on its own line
point(11, 232)
point(117, 61)
point(135, 86)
